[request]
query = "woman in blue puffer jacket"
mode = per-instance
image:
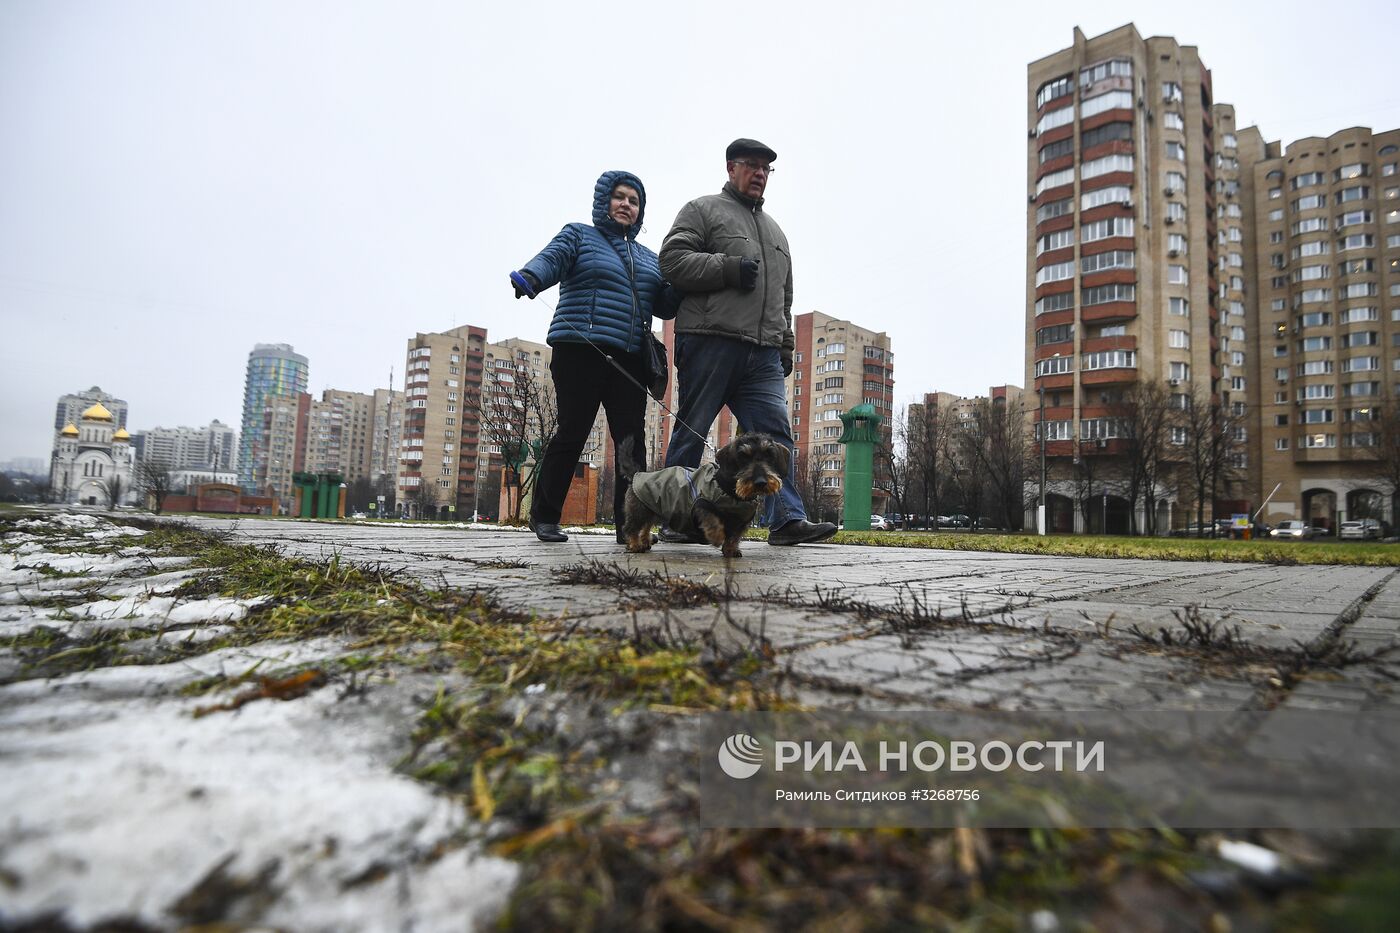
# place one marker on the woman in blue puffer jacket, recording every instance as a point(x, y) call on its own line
point(610, 289)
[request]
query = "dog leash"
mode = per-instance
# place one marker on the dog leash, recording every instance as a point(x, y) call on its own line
point(523, 284)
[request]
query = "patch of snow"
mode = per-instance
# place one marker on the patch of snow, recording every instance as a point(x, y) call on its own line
point(119, 802)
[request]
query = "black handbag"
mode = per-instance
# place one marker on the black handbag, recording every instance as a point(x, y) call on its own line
point(660, 366)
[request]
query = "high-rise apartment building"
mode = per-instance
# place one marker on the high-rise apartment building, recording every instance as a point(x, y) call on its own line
point(1326, 236)
point(276, 378)
point(339, 434)
point(281, 448)
point(387, 431)
point(440, 447)
point(211, 448)
point(837, 365)
point(1166, 245)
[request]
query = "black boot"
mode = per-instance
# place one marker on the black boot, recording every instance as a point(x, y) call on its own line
point(546, 531)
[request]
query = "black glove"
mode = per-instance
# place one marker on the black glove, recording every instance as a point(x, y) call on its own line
point(748, 274)
point(787, 365)
point(530, 280)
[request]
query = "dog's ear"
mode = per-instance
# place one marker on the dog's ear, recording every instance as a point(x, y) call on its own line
point(727, 458)
point(784, 459)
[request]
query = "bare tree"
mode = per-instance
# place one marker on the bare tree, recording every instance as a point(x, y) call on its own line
point(113, 487)
point(604, 503)
point(1145, 419)
point(995, 440)
point(817, 500)
point(518, 414)
point(1385, 452)
point(154, 482)
point(926, 433)
point(892, 470)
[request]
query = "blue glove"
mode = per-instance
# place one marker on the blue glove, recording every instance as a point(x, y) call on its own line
point(526, 285)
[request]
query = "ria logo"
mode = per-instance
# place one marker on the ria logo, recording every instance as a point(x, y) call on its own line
point(741, 756)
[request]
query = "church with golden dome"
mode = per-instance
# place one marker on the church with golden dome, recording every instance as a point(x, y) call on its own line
point(91, 459)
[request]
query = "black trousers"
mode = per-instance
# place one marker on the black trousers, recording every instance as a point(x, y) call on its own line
point(583, 380)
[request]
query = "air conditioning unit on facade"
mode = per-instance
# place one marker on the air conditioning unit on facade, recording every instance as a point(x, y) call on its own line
point(1171, 219)
point(1173, 382)
point(1101, 443)
point(1030, 134)
point(1173, 253)
point(1126, 203)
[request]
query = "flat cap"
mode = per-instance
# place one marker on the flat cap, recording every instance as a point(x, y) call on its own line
point(743, 147)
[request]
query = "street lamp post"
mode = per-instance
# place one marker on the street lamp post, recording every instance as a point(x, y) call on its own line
point(1040, 518)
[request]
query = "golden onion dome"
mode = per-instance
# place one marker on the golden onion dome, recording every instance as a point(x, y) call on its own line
point(70, 430)
point(121, 435)
point(98, 412)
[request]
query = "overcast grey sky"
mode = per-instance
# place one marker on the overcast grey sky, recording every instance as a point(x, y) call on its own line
point(179, 181)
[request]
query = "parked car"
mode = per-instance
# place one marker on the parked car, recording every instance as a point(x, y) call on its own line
point(1294, 530)
point(880, 523)
point(954, 521)
point(1362, 529)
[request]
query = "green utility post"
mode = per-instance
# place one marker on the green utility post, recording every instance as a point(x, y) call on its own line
point(306, 486)
point(329, 494)
point(860, 437)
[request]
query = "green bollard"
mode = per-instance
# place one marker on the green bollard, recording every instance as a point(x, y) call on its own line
point(861, 435)
point(305, 490)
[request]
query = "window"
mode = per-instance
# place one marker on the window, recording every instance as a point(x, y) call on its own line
point(1276, 304)
point(1361, 364)
point(1176, 151)
point(1275, 215)
point(1349, 218)
point(1054, 366)
point(1275, 236)
point(1361, 389)
point(1281, 374)
point(1111, 359)
point(1176, 212)
point(1361, 338)
point(1060, 333)
point(1306, 180)
point(1227, 141)
point(1281, 444)
point(1309, 393)
point(1179, 306)
point(1315, 248)
point(1054, 180)
point(1112, 259)
point(1314, 344)
point(1312, 273)
point(1058, 302)
point(1317, 416)
point(1179, 371)
point(1176, 274)
point(1309, 202)
point(1104, 294)
point(1103, 229)
point(1177, 435)
point(1056, 431)
point(1171, 91)
point(1178, 339)
point(1056, 149)
point(1057, 240)
point(1113, 100)
point(1314, 368)
point(1359, 290)
point(1175, 182)
point(1237, 383)
point(1053, 209)
point(1101, 71)
point(1317, 440)
point(1356, 241)
point(1055, 272)
point(1113, 194)
point(1176, 244)
point(1311, 225)
point(1109, 132)
point(1354, 193)
point(1102, 166)
point(1064, 116)
point(1093, 429)
point(1355, 170)
point(1054, 89)
point(1315, 319)
point(1171, 120)
point(1311, 295)
point(1120, 330)
point(1275, 194)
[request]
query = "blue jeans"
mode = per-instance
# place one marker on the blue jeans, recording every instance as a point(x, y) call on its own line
point(715, 372)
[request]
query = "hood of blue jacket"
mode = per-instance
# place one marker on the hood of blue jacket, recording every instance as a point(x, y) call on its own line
point(602, 192)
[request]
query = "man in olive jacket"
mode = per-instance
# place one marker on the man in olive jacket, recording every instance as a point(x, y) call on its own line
point(734, 338)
